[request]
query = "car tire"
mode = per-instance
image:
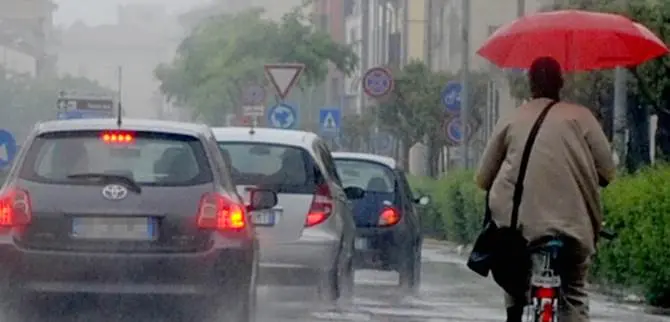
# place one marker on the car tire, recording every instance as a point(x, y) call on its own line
point(348, 280)
point(328, 288)
point(409, 270)
point(243, 310)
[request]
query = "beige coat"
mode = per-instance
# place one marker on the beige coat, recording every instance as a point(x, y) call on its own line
point(561, 193)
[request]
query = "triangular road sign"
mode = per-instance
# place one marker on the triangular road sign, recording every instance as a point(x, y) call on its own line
point(329, 122)
point(283, 77)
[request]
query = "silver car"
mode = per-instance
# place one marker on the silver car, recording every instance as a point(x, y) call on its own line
point(308, 238)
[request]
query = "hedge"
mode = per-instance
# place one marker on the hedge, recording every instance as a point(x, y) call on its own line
point(637, 207)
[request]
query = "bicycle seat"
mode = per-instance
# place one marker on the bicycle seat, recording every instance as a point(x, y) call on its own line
point(546, 242)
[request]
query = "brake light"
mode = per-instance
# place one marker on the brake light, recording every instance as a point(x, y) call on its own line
point(117, 137)
point(389, 217)
point(218, 212)
point(321, 207)
point(15, 208)
point(544, 293)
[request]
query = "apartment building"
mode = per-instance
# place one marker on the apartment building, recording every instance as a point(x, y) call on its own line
point(26, 36)
point(374, 28)
point(143, 37)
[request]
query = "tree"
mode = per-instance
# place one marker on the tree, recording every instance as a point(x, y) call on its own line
point(25, 100)
point(227, 51)
point(357, 130)
point(414, 113)
point(649, 89)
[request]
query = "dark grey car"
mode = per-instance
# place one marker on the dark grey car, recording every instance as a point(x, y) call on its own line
point(144, 208)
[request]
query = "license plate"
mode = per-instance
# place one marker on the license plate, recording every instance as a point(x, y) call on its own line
point(134, 228)
point(361, 243)
point(267, 218)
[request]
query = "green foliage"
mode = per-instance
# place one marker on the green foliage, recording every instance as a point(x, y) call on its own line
point(457, 206)
point(414, 109)
point(636, 207)
point(25, 100)
point(224, 53)
point(650, 80)
point(357, 130)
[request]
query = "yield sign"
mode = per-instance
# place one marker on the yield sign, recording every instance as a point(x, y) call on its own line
point(283, 77)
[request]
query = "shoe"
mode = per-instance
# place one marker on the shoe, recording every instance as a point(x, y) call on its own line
point(515, 314)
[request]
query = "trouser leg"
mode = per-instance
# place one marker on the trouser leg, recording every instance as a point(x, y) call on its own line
point(575, 307)
point(514, 308)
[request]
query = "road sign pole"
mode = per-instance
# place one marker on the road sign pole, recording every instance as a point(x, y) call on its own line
point(465, 74)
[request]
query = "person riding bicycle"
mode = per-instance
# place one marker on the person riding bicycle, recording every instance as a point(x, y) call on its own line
point(570, 160)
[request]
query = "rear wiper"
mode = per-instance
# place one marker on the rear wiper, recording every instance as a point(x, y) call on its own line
point(109, 178)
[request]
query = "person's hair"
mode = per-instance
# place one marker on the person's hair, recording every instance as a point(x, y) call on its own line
point(546, 78)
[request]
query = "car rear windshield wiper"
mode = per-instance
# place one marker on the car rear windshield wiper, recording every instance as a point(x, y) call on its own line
point(109, 178)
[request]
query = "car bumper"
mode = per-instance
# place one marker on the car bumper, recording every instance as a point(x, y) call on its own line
point(203, 273)
point(298, 263)
point(380, 248)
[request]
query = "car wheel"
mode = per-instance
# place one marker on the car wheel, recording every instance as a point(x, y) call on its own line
point(408, 271)
point(348, 280)
point(242, 310)
point(329, 287)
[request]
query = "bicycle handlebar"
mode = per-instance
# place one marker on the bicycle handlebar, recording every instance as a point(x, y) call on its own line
point(608, 234)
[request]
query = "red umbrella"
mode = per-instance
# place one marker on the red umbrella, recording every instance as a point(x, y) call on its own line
point(579, 40)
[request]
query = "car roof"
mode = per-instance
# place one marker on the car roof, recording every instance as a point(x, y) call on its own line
point(387, 161)
point(192, 129)
point(266, 135)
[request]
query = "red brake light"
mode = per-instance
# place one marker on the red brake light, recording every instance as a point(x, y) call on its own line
point(322, 206)
point(117, 137)
point(389, 217)
point(220, 213)
point(544, 293)
point(15, 208)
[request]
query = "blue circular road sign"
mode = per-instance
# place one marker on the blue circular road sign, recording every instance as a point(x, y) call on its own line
point(377, 82)
point(253, 95)
point(454, 130)
point(283, 116)
point(7, 148)
point(451, 97)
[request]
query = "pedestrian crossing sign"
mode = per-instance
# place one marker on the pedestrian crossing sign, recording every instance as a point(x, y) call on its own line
point(330, 120)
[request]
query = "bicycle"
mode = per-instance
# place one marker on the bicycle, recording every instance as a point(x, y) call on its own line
point(545, 280)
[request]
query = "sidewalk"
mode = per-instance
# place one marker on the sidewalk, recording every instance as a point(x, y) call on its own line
point(616, 295)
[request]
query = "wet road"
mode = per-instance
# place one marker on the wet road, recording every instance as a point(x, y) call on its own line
point(449, 293)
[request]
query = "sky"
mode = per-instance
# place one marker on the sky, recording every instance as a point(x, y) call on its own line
point(95, 12)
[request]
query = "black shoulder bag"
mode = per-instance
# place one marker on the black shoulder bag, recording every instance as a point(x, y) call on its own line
point(503, 250)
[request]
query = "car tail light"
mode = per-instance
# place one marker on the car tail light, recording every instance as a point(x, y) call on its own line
point(117, 137)
point(389, 217)
point(15, 208)
point(322, 206)
point(219, 212)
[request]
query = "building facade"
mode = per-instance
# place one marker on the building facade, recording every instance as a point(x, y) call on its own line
point(27, 36)
point(144, 36)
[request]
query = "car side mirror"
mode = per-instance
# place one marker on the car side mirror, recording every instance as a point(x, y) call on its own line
point(423, 200)
point(260, 199)
point(354, 193)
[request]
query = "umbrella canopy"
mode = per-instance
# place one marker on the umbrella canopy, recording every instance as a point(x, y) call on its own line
point(579, 40)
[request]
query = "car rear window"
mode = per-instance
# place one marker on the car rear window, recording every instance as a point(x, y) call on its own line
point(286, 169)
point(366, 175)
point(149, 158)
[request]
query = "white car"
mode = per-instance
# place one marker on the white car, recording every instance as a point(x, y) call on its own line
point(308, 238)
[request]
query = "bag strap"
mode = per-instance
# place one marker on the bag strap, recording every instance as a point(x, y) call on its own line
point(518, 187)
